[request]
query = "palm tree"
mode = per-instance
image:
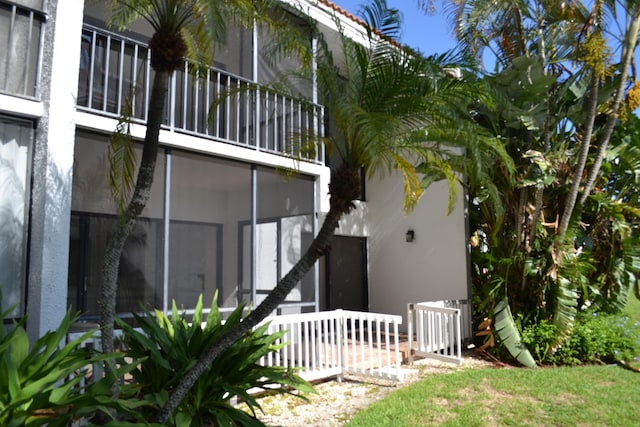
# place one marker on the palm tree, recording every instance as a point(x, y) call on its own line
point(629, 43)
point(182, 29)
point(382, 103)
point(597, 60)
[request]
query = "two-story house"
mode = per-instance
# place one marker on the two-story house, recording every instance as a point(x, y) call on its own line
point(221, 216)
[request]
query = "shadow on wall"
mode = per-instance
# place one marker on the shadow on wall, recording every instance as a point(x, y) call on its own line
point(355, 224)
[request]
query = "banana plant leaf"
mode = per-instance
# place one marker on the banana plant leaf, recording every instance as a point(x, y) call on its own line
point(506, 329)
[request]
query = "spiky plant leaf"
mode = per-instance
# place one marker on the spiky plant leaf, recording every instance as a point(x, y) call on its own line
point(43, 383)
point(170, 347)
point(213, 318)
point(197, 311)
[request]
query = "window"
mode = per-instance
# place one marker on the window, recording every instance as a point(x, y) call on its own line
point(15, 145)
point(21, 30)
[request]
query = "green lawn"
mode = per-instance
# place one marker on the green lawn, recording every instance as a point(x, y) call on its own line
point(633, 308)
point(579, 396)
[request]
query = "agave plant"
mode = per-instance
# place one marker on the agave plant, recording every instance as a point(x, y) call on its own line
point(168, 346)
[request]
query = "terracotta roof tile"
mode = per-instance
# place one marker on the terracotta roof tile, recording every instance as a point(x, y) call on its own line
point(351, 16)
point(342, 11)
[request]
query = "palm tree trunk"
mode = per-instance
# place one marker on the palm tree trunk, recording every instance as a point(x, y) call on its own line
point(570, 203)
point(318, 247)
point(630, 42)
point(115, 244)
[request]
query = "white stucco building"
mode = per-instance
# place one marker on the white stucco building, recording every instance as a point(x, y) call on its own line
point(220, 215)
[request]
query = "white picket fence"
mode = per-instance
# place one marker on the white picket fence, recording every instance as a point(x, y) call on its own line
point(334, 343)
point(440, 328)
point(327, 344)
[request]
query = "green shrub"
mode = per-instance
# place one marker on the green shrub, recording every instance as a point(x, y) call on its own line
point(46, 383)
point(604, 338)
point(595, 338)
point(539, 338)
point(169, 346)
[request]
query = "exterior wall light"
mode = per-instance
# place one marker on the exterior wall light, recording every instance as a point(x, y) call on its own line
point(410, 236)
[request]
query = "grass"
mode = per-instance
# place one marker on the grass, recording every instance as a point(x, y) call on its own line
point(565, 396)
point(579, 396)
point(633, 308)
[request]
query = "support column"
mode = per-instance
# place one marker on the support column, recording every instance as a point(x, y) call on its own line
point(53, 168)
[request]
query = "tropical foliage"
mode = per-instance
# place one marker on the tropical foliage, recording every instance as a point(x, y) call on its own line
point(169, 346)
point(566, 238)
point(48, 383)
point(596, 338)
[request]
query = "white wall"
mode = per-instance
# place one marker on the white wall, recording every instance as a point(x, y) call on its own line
point(52, 169)
point(433, 266)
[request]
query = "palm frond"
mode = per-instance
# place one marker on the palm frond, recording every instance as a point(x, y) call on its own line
point(412, 188)
point(123, 12)
point(384, 21)
point(122, 159)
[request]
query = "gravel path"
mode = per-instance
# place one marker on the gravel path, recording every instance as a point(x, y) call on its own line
point(336, 402)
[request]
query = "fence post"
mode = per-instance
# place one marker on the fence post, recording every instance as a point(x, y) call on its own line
point(410, 332)
point(340, 323)
point(396, 345)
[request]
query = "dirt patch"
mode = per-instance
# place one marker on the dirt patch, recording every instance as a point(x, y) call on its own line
point(335, 402)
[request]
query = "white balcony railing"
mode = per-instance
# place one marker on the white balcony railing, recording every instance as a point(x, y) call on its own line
point(21, 39)
point(115, 70)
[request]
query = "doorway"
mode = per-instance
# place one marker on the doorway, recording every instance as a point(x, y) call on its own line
point(347, 285)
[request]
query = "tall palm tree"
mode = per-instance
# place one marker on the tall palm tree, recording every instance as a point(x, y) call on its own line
point(382, 102)
point(181, 29)
point(598, 64)
point(629, 44)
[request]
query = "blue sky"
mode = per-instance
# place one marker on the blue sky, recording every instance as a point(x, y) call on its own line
point(428, 33)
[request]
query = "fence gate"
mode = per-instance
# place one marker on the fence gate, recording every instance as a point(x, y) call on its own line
point(438, 330)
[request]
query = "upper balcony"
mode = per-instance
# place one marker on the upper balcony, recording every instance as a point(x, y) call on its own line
point(115, 72)
point(21, 34)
